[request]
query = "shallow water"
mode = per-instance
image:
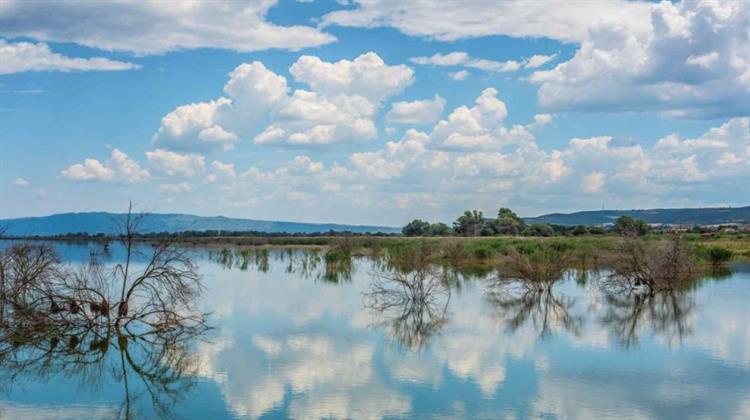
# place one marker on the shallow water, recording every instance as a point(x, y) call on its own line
point(292, 342)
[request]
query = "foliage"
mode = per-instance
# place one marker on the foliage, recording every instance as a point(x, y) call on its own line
point(508, 222)
point(628, 226)
point(419, 227)
point(539, 230)
point(440, 229)
point(416, 227)
point(470, 223)
point(718, 255)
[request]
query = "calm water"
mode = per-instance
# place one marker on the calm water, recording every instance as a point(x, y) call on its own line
point(291, 341)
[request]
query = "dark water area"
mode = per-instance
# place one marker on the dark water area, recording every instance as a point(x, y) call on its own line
point(294, 338)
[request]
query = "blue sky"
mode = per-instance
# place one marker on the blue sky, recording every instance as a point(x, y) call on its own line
point(372, 112)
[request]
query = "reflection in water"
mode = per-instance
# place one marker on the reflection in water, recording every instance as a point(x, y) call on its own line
point(289, 344)
point(413, 306)
point(155, 366)
point(124, 323)
point(337, 265)
point(524, 292)
point(666, 314)
point(517, 303)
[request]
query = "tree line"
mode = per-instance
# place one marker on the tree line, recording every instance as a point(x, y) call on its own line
point(507, 222)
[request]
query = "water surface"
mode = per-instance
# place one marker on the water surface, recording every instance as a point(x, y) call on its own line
point(292, 340)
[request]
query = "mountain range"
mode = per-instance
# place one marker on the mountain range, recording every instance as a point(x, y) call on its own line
point(687, 216)
point(102, 222)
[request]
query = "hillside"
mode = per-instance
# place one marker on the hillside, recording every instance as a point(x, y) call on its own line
point(689, 216)
point(101, 222)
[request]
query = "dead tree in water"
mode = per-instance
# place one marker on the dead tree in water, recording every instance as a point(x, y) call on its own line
point(159, 292)
point(657, 266)
point(411, 303)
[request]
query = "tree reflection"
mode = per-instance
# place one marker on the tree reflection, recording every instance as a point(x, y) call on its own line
point(518, 303)
point(412, 305)
point(523, 292)
point(665, 313)
point(156, 365)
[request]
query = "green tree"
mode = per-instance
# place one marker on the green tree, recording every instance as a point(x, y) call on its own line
point(416, 227)
point(580, 230)
point(470, 223)
point(508, 222)
point(629, 226)
point(440, 229)
point(541, 229)
point(597, 230)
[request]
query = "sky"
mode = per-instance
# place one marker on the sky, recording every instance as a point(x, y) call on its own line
point(372, 111)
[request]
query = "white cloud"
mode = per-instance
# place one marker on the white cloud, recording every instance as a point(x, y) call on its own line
point(459, 75)
point(20, 182)
point(344, 99)
point(175, 164)
point(175, 188)
point(455, 58)
point(691, 62)
point(221, 172)
point(416, 112)
point(538, 60)
point(192, 126)
point(147, 27)
point(552, 19)
point(26, 56)
point(593, 182)
point(460, 58)
point(119, 168)
point(366, 75)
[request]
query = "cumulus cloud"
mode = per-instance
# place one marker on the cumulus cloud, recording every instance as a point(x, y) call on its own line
point(343, 100)
point(422, 171)
point(119, 168)
point(21, 57)
point(691, 62)
point(416, 112)
point(147, 27)
point(221, 171)
point(593, 182)
point(169, 163)
point(551, 19)
point(366, 75)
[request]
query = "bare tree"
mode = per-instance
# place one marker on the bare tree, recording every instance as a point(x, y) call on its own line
point(159, 293)
point(656, 266)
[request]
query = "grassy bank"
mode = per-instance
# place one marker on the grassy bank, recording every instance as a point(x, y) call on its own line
point(473, 250)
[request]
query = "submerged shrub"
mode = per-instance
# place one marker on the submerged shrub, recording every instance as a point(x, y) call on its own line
point(658, 265)
point(718, 255)
point(539, 265)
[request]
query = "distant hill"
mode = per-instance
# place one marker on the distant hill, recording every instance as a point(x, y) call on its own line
point(101, 222)
point(694, 216)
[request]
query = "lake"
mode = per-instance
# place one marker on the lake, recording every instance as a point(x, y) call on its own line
point(292, 339)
